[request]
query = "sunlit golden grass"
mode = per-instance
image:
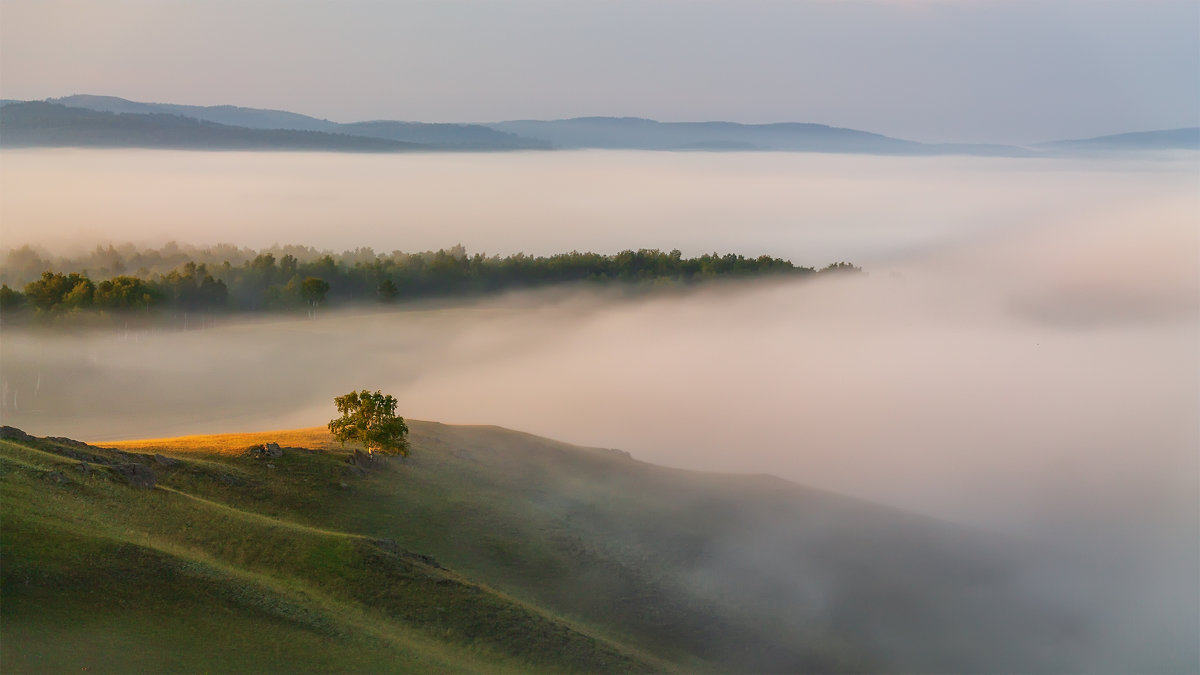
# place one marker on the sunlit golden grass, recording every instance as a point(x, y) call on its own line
point(315, 438)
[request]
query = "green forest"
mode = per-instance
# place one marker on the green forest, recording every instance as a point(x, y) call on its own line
point(171, 279)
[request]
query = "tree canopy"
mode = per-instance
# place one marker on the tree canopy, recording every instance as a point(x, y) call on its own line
point(370, 419)
point(176, 280)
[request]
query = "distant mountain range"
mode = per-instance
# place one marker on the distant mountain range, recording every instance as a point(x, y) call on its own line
point(107, 121)
point(104, 121)
point(643, 134)
point(251, 118)
point(1167, 139)
point(443, 136)
point(41, 124)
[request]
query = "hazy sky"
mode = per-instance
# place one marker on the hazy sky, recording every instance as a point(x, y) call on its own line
point(952, 70)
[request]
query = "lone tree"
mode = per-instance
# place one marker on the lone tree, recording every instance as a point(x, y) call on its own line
point(314, 289)
point(371, 420)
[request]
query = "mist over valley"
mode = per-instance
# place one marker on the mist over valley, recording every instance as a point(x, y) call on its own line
point(1019, 358)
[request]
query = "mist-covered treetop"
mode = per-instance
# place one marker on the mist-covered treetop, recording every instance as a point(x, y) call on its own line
point(183, 279)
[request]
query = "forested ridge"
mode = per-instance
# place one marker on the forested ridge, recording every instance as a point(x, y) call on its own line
point(125, 280)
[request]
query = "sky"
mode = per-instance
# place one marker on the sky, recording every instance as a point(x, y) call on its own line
point(1010, 71)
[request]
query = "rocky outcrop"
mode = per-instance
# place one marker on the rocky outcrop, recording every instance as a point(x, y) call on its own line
point(14, 434)
point(138, 475)
point(271, 449)
point(133, 467)
point(67, 441)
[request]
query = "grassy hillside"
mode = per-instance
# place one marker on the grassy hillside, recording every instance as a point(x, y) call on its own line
point(488, 550)
point(207, 571)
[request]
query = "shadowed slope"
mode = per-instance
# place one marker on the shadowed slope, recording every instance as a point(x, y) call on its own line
point(708, 571)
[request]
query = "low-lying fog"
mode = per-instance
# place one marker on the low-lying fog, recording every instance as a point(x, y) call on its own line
point(1023, 354)
point(812, 208)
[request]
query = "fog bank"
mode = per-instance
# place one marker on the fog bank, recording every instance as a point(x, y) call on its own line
point(1005, 368)
point(812, 208)
point(1021, 356)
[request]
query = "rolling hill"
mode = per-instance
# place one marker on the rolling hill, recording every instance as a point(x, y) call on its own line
point(635, 133)
point(41, 124)
point(646, 134)
point(442, 136)
point(141, 124)
point(446, 136)
point(583, 132)
point(236, 116)
point(489, 550)
point(1165, 139)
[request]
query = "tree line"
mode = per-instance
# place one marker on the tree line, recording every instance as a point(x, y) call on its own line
point(266, 282)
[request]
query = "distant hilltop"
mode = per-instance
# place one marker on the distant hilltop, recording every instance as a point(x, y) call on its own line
point(108, 121)
point(53, 124)
point(1166, 139)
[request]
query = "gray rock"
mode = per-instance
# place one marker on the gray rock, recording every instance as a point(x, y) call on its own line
point(165, 461)
point(68, 441)
point(138, 475)
point(129, 457)
point(14, 434)
point(365, 460)
point(273, 450)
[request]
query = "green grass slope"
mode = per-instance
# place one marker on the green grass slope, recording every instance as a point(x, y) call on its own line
point(201, 573)
point(488, 550)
